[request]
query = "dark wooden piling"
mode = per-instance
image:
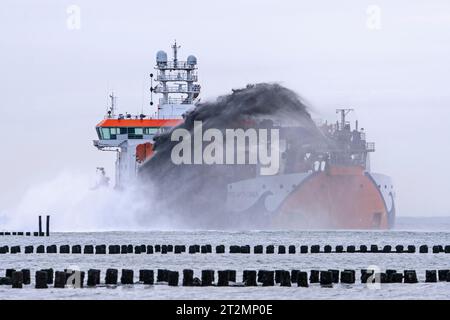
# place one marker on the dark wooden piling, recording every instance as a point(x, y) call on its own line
point(447, 249)
point(76, 249)
point(423, 248)
point(281, 249)
point(158, 248)
point(162, 275)
point(29, 249)
point(245, 249)
point(223, 278)
point(88, 249)
point(258, 249)
point(235, 249)
point(137, 249)
point(203, 249)
point(130, 248)
point(278, 275)
point(285, 279)
point(327, 248)
point(188, 277)
point(207, 277)
point(17, 280)
point(52, 248)
point(314, 276)
point(387, 249)
point(315, 248)
point(326, 279)
point(179, 249)
point(396, 277)
point(124, 249)
point(113, 249)
point(93, 277)
point(192, 249)
point(64, 249)
point(302, 279)
point(363, 248)
point(410, 276)
point(411, 249)
point(41, 280)
point(173, 278)
point(9, 272)
point(334, 275)
point(249, 278)
point(303, 249)
point(270, 249)
point(267, 278)
point(339, 249)
point(26, 276)
point(40, 249)
point(127, 276)
point(399, 248)
point(40, 226)
point(442, 274)
point(15, 249)
point(374, 248)
point(220, 249)
point(294, 275)
point(50, 274)
point(111, 276)
point(60, 279)
point(149, 249)
point(147, 276)
point(347, 277)
point(291, 249)
point(430, 276)
point(47, 226)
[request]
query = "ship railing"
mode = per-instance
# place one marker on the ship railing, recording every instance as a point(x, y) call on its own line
point(163, 101)
point(184, 65)
point(177, 77)
point(177, 89)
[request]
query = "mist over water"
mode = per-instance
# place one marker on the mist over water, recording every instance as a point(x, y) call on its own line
point(74, 205)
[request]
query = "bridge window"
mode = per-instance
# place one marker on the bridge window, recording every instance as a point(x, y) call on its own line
point(150, 131)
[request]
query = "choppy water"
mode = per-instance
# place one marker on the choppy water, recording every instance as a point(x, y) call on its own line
point(408, 231)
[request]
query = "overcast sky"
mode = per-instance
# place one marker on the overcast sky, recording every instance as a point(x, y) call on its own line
point(392, 68)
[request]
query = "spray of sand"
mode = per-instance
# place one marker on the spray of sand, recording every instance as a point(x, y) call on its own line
point(195, 195)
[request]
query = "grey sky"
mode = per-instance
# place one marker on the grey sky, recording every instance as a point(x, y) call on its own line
point(54, 81)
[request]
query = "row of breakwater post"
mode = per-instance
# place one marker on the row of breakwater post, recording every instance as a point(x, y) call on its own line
point(45, 278)
point(219, 249)
point(38, 233)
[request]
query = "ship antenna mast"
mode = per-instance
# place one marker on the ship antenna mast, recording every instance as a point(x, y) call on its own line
point(175, 51)
point(112, 107)
point(343, 113)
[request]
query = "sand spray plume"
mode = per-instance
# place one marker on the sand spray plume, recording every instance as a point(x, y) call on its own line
point(196, 194)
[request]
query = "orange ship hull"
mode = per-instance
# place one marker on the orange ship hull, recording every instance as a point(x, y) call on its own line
point(341, 198)
point(337, 198)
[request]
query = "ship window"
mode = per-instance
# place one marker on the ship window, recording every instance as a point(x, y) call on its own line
point(150, 130)
point(122, 130)
point(138, 131)
point(113, 131)
point(106, 134)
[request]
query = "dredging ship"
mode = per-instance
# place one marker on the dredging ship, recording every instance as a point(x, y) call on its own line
point(329, 187)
